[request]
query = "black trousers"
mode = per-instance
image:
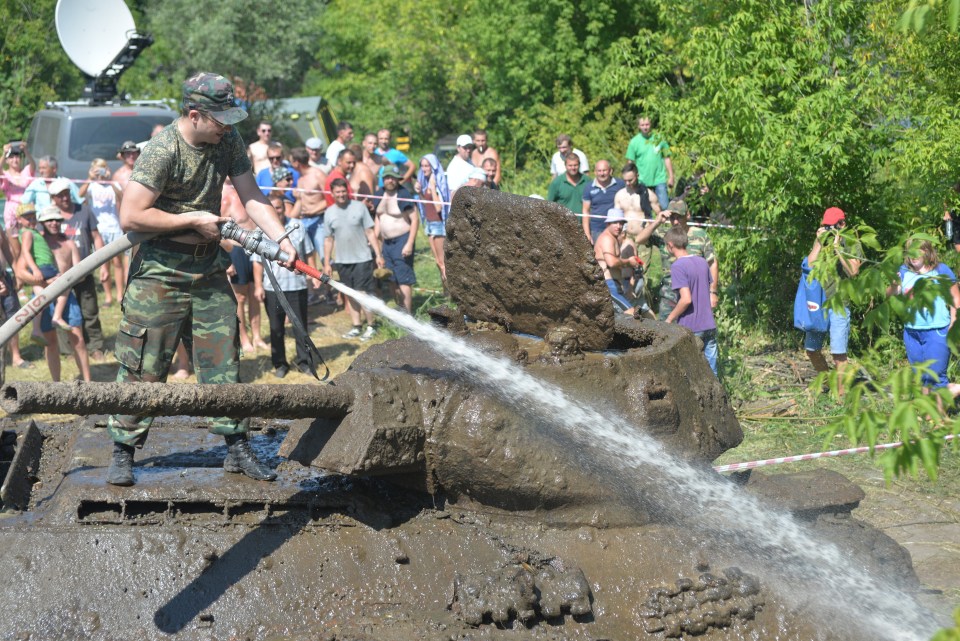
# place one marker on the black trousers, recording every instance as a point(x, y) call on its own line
point(86, 293)
point(277, 318)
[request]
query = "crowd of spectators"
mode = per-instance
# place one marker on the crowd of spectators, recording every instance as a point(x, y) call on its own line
point(359, 208)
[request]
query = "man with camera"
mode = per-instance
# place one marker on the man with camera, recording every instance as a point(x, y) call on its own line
point(17, 174)
point(848, 259)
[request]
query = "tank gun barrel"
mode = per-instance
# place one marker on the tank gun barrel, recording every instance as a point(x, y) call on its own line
point(162, 399)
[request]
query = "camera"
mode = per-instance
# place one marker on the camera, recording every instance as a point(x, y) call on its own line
point(15, 149)
point(101, 172)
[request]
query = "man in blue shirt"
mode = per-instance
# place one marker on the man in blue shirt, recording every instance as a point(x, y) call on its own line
point(265, 176)
point(395, 156)
point(598, 197)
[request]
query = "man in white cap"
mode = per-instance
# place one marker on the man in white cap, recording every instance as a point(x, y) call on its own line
point(607, 252)
point(314, 148)
point(80, 226)
point(460, 167)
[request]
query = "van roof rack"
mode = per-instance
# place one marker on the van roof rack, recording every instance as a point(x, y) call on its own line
point(66, 105)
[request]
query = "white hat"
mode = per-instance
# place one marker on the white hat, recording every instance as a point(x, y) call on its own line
point(465, 140)
point(50, 212)
point(58, 185)
point(313, 143)
point(477, 174)
point(615, 215)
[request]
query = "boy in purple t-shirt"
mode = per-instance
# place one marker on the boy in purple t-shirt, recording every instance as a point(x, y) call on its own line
point(690, 276)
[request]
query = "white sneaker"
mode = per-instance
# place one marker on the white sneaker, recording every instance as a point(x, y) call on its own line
point(353, 333)
point(368, 333)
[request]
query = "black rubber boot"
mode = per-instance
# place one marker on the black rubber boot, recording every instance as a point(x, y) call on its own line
point(121, 465)
point(240, 458)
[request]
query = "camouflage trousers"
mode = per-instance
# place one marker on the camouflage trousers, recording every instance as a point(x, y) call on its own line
point(172, 296)
point(669, 297)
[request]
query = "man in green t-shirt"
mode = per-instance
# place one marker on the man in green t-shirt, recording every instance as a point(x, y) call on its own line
point(651, 153)
point(178, 288)
point(567, 188)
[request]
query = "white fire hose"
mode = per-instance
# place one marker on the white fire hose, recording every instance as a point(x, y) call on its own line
point(67, 280)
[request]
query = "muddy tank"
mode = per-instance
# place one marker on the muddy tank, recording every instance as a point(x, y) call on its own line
point(411, 503)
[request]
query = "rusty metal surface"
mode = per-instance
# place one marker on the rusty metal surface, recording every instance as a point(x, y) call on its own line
point(162, 399)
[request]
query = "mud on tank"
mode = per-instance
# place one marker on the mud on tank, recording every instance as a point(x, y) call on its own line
point(411, 504)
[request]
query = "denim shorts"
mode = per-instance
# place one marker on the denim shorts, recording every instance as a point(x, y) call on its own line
point(110, 236)
point(437, 229)
point(71, 314)
point(839, 333)
point(400, 265)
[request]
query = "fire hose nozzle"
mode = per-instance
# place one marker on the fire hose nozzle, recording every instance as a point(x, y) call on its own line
point(254, 242)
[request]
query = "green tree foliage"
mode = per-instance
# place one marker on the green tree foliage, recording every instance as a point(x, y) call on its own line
point(260, 45)
point(33, 67)
point(884, 404)
point(781, 104)
point(950, 634)
point(918, 15)
point(434, 68)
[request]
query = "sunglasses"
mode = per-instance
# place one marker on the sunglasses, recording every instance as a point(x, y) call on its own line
point(272, 158)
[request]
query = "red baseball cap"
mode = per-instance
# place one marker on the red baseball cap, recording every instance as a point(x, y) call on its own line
point(833, 216)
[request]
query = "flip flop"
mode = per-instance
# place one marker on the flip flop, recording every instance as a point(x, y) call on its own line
point(24, 365)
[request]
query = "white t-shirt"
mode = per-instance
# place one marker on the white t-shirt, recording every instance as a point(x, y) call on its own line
point(103, 204)
point(558, 167)
point(458, 172)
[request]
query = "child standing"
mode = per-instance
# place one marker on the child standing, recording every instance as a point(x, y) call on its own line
point(925, 335)
point(46, 256)
point(292, 284)
point(690, 276)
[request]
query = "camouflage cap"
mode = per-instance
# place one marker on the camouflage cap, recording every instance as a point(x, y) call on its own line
point(212, 94)
point(391, 171)
point(281, 173)
point(678, 207)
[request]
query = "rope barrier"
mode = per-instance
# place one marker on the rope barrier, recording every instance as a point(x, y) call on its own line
point(810, 457)
point(642, 221)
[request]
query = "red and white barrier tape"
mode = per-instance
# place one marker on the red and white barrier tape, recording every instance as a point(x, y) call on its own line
point(644, 221)
point(809, 457)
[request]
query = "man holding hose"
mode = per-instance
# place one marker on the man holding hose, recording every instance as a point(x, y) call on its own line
point(178, 288)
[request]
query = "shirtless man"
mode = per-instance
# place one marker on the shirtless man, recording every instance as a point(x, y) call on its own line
point(607, 252)
point(370, 157)
point(311, 200)
point(636, 204)
point(129, 152)
point(482, 152)
point(363, 182)
point(258, 150)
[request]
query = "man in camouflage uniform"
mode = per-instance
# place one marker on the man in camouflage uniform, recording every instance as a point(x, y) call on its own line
point(698, 244)
point(178, 288)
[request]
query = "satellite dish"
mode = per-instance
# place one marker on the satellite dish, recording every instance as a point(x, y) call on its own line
point(93, 32)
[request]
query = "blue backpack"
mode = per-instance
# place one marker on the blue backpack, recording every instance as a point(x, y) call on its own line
point(809, 314)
